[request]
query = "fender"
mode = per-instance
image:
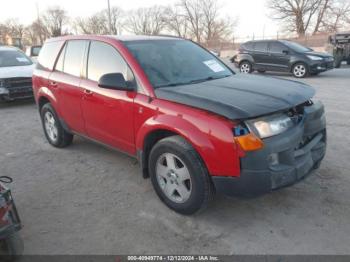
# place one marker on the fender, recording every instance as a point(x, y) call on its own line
point(218, 153)
point(47, 93)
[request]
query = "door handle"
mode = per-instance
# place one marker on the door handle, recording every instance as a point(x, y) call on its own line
point(53, 84)
point(88, 92)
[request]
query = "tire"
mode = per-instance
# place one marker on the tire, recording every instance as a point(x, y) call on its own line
point(245, 67)
point(184, 172)
point(261, 71)
point(300, 70)
point(12, 246)
point(54, 132)
point(337, 63)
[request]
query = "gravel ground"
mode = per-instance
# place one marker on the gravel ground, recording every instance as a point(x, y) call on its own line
point(87, 199)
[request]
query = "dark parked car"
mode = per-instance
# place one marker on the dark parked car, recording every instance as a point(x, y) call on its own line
point(339, 46)
point(33, 52)
point(282, 55)
point(195, 126)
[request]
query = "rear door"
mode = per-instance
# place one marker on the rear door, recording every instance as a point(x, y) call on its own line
point(66, 80)
point(279, 56)
point(108, 113)
point(260, 54)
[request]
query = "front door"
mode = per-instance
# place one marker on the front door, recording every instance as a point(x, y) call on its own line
point(108, 114)
point(279, 56)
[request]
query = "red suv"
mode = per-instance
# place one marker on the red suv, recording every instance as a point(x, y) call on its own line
point(195, 126)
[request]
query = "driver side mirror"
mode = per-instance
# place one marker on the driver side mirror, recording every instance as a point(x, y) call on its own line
point(286, 52)
point(114, 81)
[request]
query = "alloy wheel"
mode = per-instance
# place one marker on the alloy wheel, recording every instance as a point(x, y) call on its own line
point(245, 68)
point(299, 70)
point(173, 178)
point(50, 126)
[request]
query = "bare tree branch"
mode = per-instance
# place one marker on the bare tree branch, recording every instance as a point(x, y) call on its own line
point(147, 21)
point(54, 19)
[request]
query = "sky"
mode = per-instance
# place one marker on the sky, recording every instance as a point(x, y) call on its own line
point(253, 16)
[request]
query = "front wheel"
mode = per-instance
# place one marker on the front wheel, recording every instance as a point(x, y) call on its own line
point(12, 246)
point(245, 67)
point(179, 176)
point(299, 70)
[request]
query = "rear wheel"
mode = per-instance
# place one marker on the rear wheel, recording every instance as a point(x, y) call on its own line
point(178, 176)
point(54, 132)
point(245, 67)
point(300, 70)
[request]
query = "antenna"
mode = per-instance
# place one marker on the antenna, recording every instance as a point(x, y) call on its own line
point(37, 10)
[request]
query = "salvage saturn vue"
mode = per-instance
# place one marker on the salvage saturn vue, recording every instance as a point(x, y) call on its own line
point(195, 126)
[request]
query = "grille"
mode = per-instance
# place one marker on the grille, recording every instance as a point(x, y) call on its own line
point(19, 82)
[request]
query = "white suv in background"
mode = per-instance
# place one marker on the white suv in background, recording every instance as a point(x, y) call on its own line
point(16, 70)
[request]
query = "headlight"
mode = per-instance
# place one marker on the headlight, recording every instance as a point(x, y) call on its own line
point(315, 58)
point(3, 90)
point(271, 125)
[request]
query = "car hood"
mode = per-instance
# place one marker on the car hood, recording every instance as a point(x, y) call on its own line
point(321, 54)
point(240, 96)
point(16, 71)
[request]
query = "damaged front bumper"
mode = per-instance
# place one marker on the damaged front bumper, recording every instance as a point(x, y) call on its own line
point(284, 160)
point(16, 88)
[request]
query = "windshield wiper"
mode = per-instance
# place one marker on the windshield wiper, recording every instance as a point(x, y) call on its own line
point(173, 84)
point(192, 81)
point(208, 79)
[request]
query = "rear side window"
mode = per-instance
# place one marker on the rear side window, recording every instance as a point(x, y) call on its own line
point(260, 46)
point(248, 46)
point(276, 47)
point(60, 61)
point(73, 59)
point(48, 54)
point(104, 59)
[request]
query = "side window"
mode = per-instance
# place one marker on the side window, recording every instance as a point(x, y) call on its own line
point(48, 54)
point(276, 47)
point(74, 55)
point(104, 59)
point(60, 61)
point(260, 46)
point(248, 46)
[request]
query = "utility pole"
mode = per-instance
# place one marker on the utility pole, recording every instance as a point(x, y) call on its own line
point(37, 10)
point(264, 32)
point(109, 17)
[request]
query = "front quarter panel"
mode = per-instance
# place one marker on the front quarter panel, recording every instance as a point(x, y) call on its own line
point(209, 134)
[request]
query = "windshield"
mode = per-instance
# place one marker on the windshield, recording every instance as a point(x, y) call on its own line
point(13, 58)
point(297, 47)
point(176, 62)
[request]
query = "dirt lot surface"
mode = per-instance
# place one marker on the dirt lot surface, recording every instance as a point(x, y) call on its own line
point(87, 199)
